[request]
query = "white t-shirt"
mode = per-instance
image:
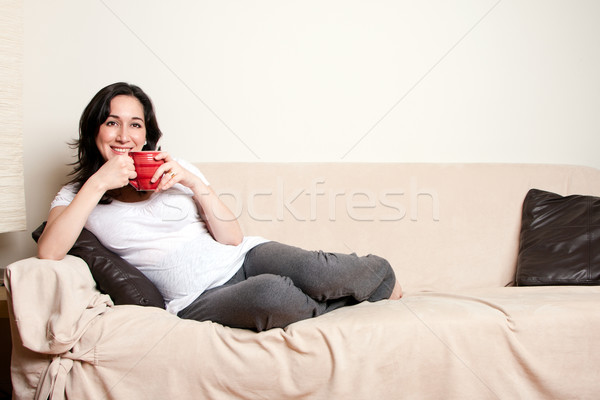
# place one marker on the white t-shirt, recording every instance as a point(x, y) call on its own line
point(166, 240)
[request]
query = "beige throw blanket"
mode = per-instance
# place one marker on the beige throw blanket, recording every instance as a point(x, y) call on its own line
point(483, 344)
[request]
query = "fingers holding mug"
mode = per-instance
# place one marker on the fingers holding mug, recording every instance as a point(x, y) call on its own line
point(146, 165)
point(166, 165)
point(169, 173)
point(169, 178)
point(163, 155)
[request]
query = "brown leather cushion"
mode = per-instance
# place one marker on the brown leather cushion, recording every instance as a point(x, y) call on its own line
point(123, 282)
point(560, 240)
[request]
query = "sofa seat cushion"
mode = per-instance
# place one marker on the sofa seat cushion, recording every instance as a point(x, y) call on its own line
point(459, 345)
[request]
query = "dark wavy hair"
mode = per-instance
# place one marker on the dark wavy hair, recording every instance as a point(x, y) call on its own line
point(89, 159)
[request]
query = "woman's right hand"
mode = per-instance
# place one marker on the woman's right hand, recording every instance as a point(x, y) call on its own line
point(115, 173)
point(65, 222)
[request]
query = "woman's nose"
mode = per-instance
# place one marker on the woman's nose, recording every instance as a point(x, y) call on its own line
point(122, 136)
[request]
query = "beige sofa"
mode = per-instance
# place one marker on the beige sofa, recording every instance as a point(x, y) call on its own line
point(462, 330)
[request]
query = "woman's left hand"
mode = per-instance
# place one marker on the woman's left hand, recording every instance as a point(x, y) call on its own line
point(171, 172)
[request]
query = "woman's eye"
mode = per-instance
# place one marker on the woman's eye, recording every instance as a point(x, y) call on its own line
point(111, 123)
point(136, 125)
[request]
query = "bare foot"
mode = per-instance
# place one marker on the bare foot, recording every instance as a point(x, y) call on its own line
point(397, 292)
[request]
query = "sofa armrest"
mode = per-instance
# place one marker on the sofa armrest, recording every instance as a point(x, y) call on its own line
point(52, 302)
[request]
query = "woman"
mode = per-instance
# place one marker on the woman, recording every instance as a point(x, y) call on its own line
point(202, 264)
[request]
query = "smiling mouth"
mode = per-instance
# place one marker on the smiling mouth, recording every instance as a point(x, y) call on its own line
point(121, 150)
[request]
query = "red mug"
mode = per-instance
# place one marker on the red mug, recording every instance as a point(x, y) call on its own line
point(145, 167)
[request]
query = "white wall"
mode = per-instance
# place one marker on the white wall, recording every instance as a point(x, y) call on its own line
point(428, 81)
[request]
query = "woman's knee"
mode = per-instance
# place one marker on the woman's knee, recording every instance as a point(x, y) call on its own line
point(272, 291)
point(276, 302)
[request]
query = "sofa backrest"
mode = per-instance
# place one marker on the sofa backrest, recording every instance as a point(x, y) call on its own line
point(442, 226)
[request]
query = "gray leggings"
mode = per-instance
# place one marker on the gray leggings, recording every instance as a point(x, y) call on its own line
point(280, 284)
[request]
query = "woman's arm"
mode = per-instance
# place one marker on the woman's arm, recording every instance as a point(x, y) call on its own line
point(66, 222)
point(220, 221)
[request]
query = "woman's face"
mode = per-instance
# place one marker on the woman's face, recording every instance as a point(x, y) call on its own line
point(124, 130)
